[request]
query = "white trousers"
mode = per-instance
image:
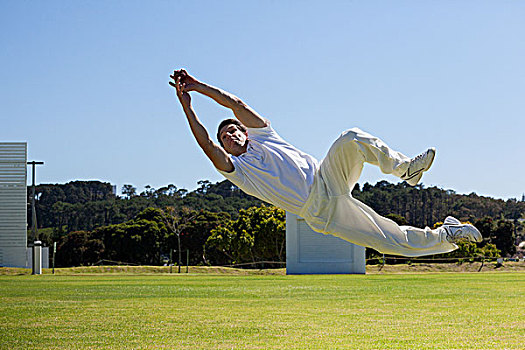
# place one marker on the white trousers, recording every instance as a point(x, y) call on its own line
point(331, 209)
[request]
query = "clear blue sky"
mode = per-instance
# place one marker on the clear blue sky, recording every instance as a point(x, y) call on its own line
point(85, 83)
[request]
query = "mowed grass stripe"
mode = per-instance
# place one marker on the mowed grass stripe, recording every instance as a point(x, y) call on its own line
point(434, 311)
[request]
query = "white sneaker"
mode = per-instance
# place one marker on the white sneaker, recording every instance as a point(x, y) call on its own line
point(455, 231)
point(418, 165)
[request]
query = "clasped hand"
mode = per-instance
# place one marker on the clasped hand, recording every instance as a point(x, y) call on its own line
point(183, 83)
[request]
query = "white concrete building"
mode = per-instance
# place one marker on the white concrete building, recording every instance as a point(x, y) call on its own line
point(13, 204)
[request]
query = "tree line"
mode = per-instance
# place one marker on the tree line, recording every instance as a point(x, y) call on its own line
point(86, 205)
point(209, 238)
point(221, 225)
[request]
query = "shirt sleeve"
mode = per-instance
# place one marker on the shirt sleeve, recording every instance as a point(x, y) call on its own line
point(237, 176)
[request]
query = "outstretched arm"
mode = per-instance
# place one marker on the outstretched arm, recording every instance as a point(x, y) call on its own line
point(241, 110)
point(218, 156)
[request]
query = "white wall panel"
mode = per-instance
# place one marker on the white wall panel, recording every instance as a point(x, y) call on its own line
point(13, 203)
point(310, 252)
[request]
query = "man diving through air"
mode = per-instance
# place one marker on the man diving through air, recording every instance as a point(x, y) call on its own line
point(257, 160)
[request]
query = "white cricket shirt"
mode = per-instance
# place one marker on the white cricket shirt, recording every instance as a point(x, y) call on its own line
point(273, 170)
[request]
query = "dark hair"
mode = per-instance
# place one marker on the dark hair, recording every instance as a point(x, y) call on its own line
point(228, 122)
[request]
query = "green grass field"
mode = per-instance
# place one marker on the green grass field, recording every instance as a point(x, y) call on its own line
point(199, 311)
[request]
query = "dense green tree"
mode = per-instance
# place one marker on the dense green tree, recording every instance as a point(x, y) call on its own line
point(74, 192)
point(139, 240)
point(504, 237)
point(79, 248)
point(196, 233)
point(129, 191)
point(257, 235)
point(468, 249)
point(500, 232)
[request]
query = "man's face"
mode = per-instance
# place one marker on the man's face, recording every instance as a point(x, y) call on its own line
point(233, 139)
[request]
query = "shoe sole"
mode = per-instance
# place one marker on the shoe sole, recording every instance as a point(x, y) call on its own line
point(471, 232)
point(415, 180)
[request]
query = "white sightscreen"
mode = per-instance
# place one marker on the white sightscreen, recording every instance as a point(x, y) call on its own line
point(13, 203)
point(310, 252)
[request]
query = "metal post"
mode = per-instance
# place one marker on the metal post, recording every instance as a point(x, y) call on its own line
point(179, 254)
point(187, 259)
point(37, 258)
point(33, 208)
point(54, 253)
point(171, 260)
